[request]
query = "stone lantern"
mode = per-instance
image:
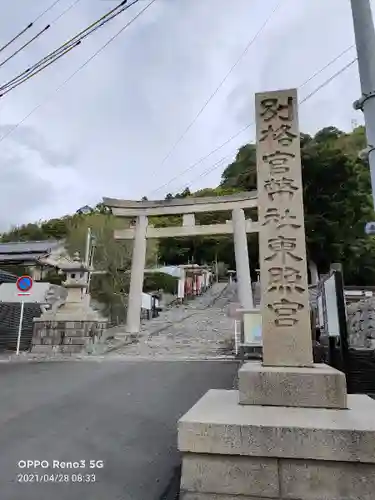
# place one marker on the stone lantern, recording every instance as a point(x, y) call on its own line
point(74, 327)
point(76, 283)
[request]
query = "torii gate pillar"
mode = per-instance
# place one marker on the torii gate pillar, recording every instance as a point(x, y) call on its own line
point(133, 319)
point(245, 292)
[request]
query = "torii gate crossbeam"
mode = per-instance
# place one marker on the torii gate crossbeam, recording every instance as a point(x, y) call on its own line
point(187, 207)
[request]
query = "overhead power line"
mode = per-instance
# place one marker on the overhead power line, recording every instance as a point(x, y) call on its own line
point(29, 42)
point(212, 168)
point(3, 47)
point(71, 47)
point(332, 61)
point(242, 55)
point(29, 25)
point(324, 84)
point(25, 45)
point(242, 130)
point(73, 4)
point(335, 75)
point(55, 2)
point(65, 82)
point(63, 49)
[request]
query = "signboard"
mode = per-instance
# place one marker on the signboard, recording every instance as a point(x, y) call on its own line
point(10, 292)
point(252, 328)
point(333, 328)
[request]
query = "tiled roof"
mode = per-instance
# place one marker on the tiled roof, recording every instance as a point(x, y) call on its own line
point(25, 247)
point(20, 251)
point(18, 257)
point(6, 277)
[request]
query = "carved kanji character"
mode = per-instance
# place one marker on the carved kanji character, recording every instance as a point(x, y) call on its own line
point(278, 162)
point(284, 247)
point(272, 108)
point(285, 279)
point(282, 135)
point(280, 186)
point(285, 311)
point(280, 219)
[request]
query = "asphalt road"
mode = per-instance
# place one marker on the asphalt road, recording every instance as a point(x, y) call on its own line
point(119, 412)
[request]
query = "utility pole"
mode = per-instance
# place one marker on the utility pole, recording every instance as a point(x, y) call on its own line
point(216, 268)
point(87, 255)
point(365, 42)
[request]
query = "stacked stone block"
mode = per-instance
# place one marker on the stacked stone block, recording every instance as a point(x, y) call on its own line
point(251, 452)
point(361, 323)
point(67, 337)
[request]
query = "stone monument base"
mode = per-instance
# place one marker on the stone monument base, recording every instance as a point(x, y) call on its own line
point(233, 451)
point(320, 386)
point(67, 335)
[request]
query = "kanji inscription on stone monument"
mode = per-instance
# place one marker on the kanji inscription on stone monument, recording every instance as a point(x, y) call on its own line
point(286, 329)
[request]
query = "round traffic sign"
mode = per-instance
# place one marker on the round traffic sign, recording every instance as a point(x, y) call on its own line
point(24, 283)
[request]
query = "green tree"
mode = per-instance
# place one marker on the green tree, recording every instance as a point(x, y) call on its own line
point(337, 198)
point(241, 174)
point(112, 258)
point(337, 202)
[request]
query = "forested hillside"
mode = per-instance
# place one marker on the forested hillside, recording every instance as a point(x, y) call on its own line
point(337, 198)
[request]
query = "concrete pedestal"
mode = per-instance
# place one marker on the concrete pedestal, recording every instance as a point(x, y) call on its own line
point(67, 334)
point(318, 387)
point(253, 452)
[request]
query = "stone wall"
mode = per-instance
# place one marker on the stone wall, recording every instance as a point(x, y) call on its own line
point(253, 478)
point(67, 337)
point(361, 323)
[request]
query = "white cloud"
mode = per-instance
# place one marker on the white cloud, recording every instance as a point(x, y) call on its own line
point(108, 129)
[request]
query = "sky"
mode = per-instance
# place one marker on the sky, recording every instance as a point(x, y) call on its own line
point(107, 131)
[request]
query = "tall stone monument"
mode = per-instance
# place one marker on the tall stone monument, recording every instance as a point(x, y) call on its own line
point(282, 249)
point(290, 432)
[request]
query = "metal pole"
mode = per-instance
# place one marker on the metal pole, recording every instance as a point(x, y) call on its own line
point(88, 245)
point(216, 269)
point(87, 256)
point(20, 328)
point(365, 41)
point(89, 274)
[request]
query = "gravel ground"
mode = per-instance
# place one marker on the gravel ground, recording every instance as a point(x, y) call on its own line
point(200, 329)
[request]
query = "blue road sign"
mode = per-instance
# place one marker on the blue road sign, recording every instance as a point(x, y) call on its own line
point(24, 283)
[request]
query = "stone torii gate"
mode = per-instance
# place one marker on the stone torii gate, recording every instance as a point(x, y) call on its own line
point(187, 207)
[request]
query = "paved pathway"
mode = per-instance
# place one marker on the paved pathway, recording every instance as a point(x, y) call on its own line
point(200, 329)
point(123, 414)
point(121, 408)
